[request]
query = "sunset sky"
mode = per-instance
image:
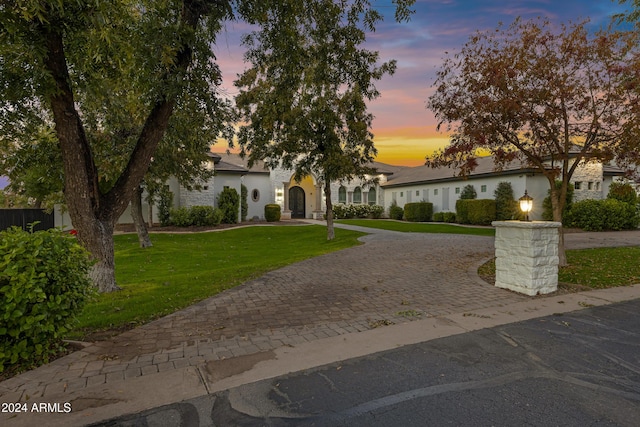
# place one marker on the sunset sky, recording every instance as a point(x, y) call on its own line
point(404, 129)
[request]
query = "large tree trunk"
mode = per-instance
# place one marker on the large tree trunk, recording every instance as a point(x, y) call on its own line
point(327, 193)
point(557, 205)
point(138, 220)
point(93, 212)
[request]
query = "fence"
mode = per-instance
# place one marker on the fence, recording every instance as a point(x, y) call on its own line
point(24, 217)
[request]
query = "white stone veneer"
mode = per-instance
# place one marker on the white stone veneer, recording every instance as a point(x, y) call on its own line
point(527, 256)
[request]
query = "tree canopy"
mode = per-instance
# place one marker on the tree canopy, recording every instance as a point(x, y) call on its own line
point(304, 98)
point(548, 97)
point(108, 77)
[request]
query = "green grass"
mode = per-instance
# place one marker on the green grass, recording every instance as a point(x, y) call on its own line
point(181, 269)
point(418, 227)
point(602, 267)
point(593, 268)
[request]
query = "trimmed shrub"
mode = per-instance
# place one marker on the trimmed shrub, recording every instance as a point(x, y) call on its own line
point(449, 217)
point(506, 204)
point(599, 215)
point(482, 211)
point(44, 284)
point(180, 217)
point(229, 204)
point(272, 212)
point(462, 211)
point(438, 217)
point(376, 211)
point(205, 216)
point(395, 211)
point(418, 212)
point(476, 211)
point(468, 192)
point(342, 211)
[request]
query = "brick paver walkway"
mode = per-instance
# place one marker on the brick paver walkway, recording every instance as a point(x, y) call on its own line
point(394, 277)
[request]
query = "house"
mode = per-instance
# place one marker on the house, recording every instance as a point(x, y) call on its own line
point(399, 184)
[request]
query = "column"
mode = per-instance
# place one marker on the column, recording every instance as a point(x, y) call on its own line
point(527, 256)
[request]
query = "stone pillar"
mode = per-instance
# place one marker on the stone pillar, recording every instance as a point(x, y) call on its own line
point(286, 212)
point(527, 256)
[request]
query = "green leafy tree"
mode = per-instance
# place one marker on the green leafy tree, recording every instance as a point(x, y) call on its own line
point(549, 98)
point(623, 192)
point(304, 97)
point(85, 68)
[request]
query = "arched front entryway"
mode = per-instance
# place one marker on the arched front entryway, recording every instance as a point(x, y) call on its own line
point(297, 202)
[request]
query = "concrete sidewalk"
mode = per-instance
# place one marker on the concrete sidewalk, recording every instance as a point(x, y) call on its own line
point(397, 289)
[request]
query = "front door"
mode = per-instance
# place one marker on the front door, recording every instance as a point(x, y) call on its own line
point(296, 202)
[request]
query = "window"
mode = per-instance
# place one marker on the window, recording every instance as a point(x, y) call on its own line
point(418, 193)
point(205, 188)
point(435, 192)
point(372, 196)
point(483, 188)
point(590, 185)
point(598, 185)
point(255, 195)
point(578, 185)
point(357, 195)
point(342, 194)
point(402, 194)
point(457, 190)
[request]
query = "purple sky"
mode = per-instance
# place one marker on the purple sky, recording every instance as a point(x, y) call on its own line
point(404, 129)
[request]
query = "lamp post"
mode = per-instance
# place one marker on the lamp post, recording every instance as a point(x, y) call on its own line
point(526, 204)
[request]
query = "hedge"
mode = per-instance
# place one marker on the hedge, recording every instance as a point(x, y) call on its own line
point(599, 215)
point(395, 211)
point(44, 284)
point(476, 211)
point(342, 211)
point(195, 215)
point(418, 211)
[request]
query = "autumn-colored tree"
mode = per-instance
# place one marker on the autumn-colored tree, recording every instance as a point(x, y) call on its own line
point(548, 97)
point(304, 98)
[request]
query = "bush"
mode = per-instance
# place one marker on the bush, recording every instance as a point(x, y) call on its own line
point(180, 217)
point(506, 204)
point(468, 192)
point(196, 215)
point(272, 212)
point(395, 211)
point(449, 217)
point(438, 217)
point(482, 211)
point(342, 211)
point(599, 215)
point(44, 284)
point(229, 204)
point(547, 210)
point(623, 192)
point(462, 211)
point(418, 212)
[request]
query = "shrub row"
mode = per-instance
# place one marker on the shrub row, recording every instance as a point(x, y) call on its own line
point(395, 211)
point(342, 211)
point(418, 211)
point(195, 215)
point(444, 217)
point(599, 215)
point(44, 284)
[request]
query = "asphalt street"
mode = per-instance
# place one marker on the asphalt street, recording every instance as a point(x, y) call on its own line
point(575, 369)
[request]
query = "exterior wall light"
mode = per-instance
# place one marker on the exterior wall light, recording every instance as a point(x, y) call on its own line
point(526, 204)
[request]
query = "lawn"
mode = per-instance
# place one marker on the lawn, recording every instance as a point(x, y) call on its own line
point(592, 268)
point(181, 269)
point(419, 227)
